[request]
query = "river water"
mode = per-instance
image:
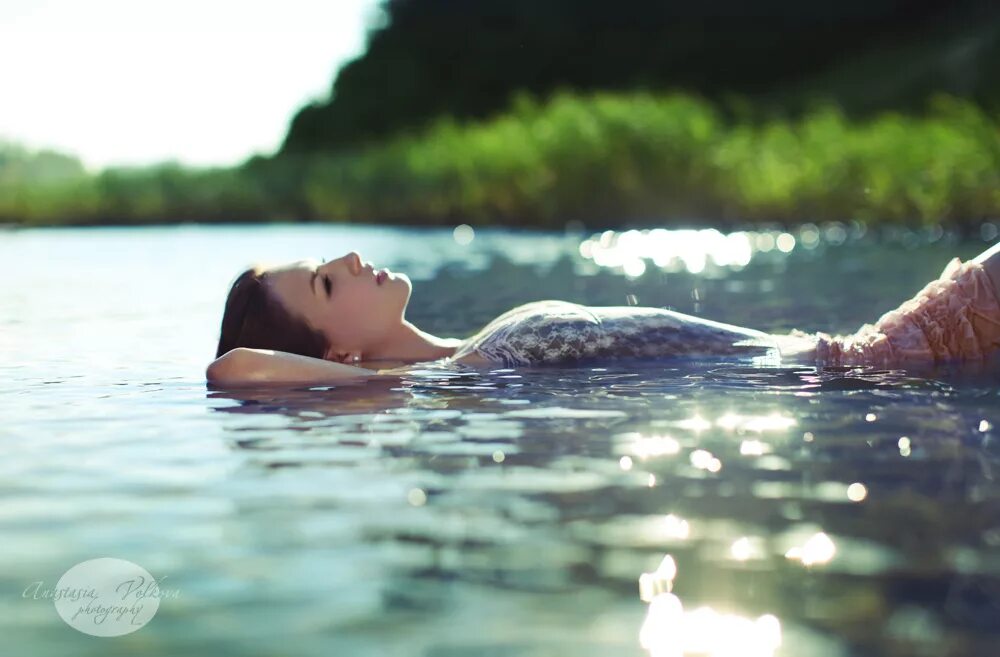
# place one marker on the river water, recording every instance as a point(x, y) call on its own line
point(787, 510)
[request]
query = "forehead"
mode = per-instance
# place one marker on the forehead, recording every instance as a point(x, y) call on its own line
point(306, 266)
point(292, 271)
point(293, 279)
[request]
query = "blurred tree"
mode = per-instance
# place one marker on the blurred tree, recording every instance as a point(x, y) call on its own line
point(466, 58)
point(20, 166)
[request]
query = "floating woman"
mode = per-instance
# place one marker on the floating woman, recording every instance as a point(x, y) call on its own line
point(311, 323)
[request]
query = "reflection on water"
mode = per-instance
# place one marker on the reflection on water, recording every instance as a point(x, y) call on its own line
point(676, 250)
point(670, 630)
point(818, 548)
point(764, 510)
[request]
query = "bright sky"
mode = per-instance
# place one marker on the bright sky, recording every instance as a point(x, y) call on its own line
point(140, 81)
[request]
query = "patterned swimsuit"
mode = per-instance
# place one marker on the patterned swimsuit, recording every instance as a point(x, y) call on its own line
point(954, 318)
point(558, 332)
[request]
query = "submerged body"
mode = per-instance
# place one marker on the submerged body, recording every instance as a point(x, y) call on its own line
point(345, 318)
point(954, 318)
point(558, 332)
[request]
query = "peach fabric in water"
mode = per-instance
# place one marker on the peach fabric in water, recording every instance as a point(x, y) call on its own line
point(954, 318)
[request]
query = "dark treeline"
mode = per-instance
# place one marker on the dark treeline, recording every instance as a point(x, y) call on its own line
point(466, 59)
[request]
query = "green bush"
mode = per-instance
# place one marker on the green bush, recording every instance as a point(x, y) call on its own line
point(606, 158)
point(616, 157)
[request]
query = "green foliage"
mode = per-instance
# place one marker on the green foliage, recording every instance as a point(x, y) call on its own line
point(615, 157)
point(19, 166)
point(604, 158)
point(165, 193)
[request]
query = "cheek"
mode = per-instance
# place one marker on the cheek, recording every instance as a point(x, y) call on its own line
point(384, 312)
point(359, 314)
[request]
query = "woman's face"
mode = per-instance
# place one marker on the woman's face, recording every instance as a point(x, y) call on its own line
point(344, 299)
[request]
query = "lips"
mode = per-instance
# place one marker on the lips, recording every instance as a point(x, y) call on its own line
point(381, 276)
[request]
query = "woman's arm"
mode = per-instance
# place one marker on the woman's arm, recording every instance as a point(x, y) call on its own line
point(244, 366)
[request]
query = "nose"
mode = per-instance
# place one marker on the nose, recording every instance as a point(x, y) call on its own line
point(353, 260)
point(357, 265)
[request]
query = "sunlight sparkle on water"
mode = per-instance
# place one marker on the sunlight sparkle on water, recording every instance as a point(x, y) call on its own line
point(753, 448)
point(659, 581)
point(696, 423)
point(671, 631)
point(741, 549)
point(677, 250)
point(857, 492)
point(704, 460)
point(646, 447)
point(785, 242)
point(818, 549)
point(756, 423)
point(463, 234)
point(416, 497)
point(634, 268)
point(809, 236)
point(677, 527)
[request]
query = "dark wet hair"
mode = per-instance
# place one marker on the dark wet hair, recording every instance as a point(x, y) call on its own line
point(255, 318)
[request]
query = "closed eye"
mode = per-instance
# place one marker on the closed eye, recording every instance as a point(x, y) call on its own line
point(327, 285)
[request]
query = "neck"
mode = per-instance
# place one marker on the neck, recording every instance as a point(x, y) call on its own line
point(409, 344)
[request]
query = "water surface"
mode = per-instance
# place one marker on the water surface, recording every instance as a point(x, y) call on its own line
point(498, 511)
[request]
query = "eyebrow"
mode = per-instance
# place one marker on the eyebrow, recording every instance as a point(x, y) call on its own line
point(312, 281)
